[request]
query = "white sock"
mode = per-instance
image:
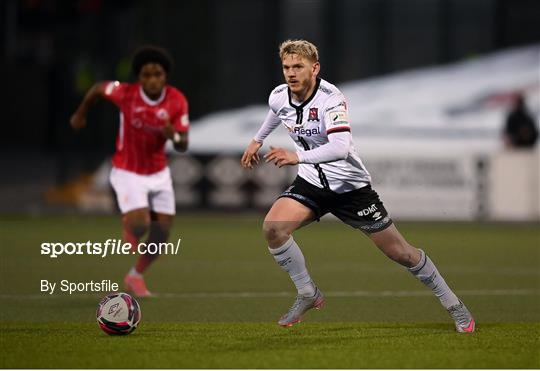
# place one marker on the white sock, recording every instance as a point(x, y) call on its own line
point(291, 260)
point(428, 274)
point(133, 272)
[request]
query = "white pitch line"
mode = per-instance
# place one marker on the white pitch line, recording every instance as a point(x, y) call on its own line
point(345, 294)
point(287, 294)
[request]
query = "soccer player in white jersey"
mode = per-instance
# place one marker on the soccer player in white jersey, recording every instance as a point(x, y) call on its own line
point(331, 179)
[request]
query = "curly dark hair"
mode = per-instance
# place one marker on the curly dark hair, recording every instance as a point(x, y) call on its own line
point(151, 54)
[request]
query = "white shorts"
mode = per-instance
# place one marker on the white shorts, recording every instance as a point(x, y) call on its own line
point(136, 191)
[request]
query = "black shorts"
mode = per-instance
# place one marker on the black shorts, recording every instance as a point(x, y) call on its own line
point(361, 208)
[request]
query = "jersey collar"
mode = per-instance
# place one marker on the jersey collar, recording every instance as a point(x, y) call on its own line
point(304, 103)
point(149, 101)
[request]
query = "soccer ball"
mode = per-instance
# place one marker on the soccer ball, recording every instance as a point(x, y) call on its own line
point(118, 314)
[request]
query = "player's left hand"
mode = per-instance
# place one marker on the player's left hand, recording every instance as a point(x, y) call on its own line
point(77, 121)
point(281, 157)
point(168, 131)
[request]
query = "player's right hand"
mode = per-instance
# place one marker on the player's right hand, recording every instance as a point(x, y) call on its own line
point(251, 155)
point(77, 121)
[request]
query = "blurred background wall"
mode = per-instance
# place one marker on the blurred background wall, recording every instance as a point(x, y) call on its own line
point(226, 57)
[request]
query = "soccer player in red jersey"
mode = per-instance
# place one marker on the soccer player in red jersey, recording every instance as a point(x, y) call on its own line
point(151, 112)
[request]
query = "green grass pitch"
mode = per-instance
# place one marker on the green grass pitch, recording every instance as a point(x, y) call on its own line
point(219, 299)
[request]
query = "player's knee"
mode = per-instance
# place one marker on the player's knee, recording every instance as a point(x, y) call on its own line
point(275, 233)
point(139, 227)
point(160, 232)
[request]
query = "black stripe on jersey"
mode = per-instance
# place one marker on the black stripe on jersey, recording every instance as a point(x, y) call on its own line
point(304, 103)
point(322, 176)
point(299, 117)
point(338, 130)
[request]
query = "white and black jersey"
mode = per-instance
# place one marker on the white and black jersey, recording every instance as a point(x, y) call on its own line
point(331, 176)
point(310, 124)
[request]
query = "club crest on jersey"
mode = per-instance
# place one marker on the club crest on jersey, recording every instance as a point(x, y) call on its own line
point(162, 114)
point(313, 114)
point(306, 132)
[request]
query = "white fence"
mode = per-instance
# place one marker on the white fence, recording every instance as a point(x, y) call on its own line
point(503, 186)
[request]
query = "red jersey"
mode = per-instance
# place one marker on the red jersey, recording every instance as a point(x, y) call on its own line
point(140, 146)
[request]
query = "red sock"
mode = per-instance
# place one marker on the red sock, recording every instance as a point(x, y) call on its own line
point(128, 236)
point(144, 261)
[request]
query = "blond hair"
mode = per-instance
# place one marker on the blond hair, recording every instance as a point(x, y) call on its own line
point(302, 48)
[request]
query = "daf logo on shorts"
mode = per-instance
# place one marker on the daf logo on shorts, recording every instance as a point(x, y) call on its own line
point(369, 210)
